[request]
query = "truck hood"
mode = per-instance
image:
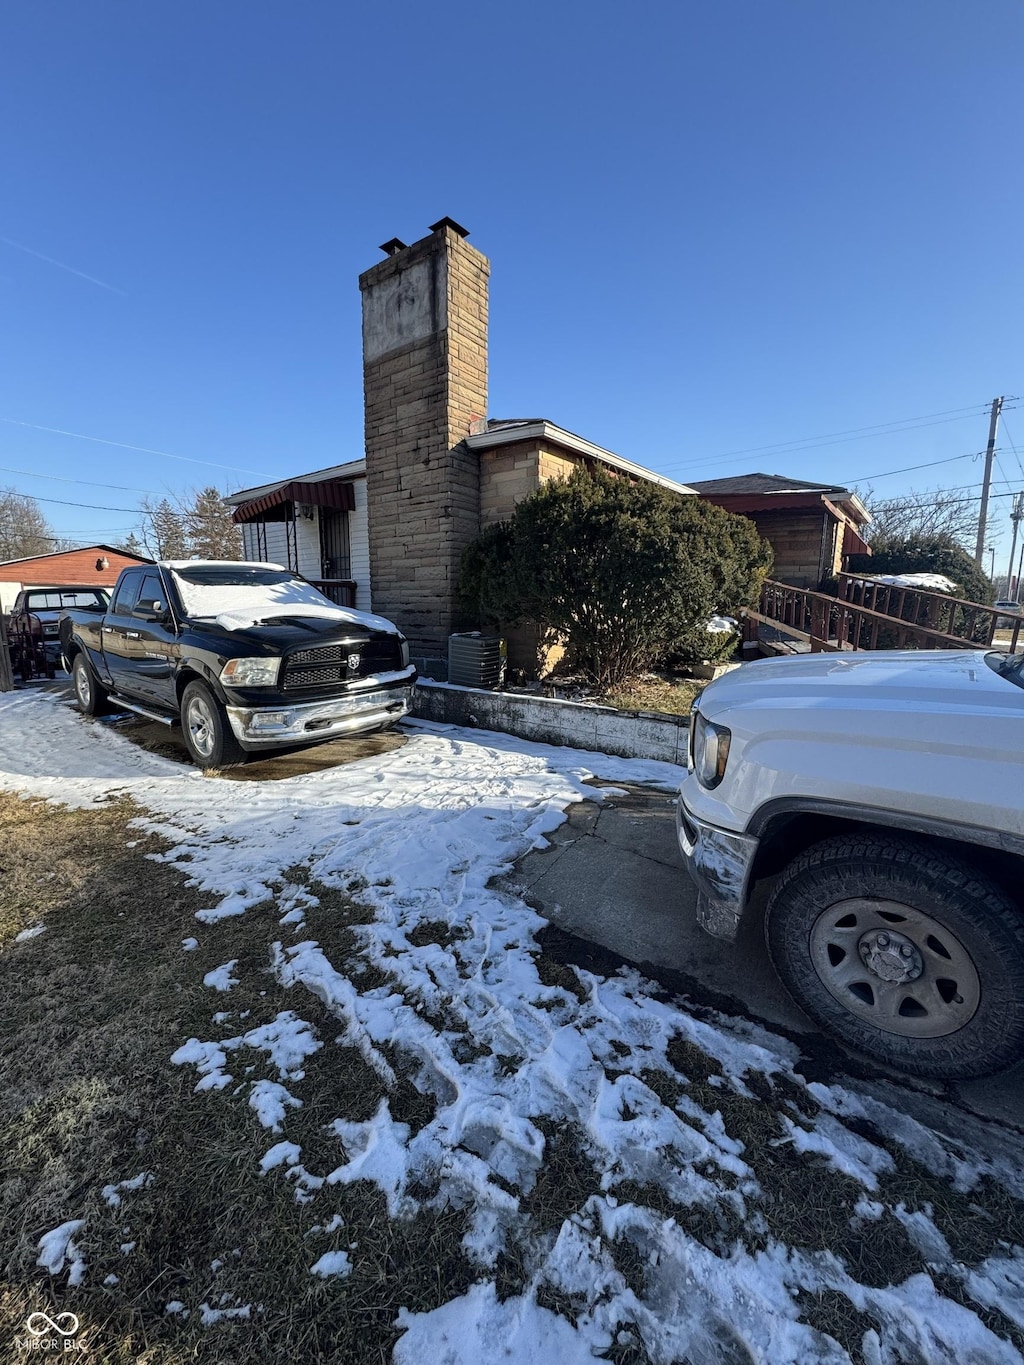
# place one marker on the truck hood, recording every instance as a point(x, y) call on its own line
point(934, 736)
point(314, 617)
point(951, 679)
point(288, 630)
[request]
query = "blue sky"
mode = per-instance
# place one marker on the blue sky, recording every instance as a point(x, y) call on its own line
point(713, 228)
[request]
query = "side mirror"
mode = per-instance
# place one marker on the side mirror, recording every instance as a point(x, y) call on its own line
point(154, 612)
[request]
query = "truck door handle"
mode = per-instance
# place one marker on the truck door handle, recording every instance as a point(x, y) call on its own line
point(131, 635)
point(109, 630)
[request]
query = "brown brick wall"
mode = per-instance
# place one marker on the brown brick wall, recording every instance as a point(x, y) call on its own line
point(423, 484)
point(72, 566)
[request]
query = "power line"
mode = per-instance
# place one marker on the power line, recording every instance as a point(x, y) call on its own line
point(1016, 453)
point(90, 483)
point(816, 442)
point(124, 445)
point(877, 426)
point(970, 455)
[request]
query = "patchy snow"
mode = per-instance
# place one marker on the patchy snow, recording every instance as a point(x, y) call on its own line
point(209, 1317)
point(417, 835)
point(220, 979)
point(112, 1193)
point(190, 944)
point(718, 625)
point(271, 1101)
point(332, 1263)
point(26, 934)
point(57, 1249)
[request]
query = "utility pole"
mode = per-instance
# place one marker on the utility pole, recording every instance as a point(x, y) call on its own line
point(990, 450)
point(1015, 515)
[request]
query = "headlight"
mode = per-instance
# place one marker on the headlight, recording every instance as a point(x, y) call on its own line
point(250, 672)
point(405, 652)
point(709, 750)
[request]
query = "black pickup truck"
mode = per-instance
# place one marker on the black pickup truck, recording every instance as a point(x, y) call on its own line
point(243, 656)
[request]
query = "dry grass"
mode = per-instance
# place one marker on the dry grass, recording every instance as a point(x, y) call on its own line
point(91, 1010)
point(97, 1004)
point(669, 696)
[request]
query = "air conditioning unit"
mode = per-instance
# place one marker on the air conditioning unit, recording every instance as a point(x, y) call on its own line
point(476, 660)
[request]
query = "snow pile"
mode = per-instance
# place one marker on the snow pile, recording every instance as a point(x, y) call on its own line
point(418, 834)
point(56, 1249)
point(220, 979)
point(928, 582)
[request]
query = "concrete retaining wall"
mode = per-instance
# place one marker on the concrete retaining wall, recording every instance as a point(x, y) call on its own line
point(628, 734)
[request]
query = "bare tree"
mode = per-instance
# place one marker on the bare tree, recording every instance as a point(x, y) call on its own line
point(24, 531)
point(943, 512)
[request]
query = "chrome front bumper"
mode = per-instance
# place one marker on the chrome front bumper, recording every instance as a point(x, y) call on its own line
point(269, 725)
point(719, 863)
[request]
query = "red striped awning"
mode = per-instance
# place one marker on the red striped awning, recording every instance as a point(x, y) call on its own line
point(279, 505)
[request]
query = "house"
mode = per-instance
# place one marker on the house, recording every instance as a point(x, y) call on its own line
point(387, 532)
point(316, 524)
point(812, 527)
point(92, 564)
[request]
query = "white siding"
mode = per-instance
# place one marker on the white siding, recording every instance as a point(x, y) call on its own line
point(307, 539)
point(277, 543)
point(359, 547)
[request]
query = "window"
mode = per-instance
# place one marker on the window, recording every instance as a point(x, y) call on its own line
point(126, 594)
point(62, 599)
point(151, 595)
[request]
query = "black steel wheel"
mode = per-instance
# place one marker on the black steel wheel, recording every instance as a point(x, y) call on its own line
point(207, 730)
point(90, 694)
point(903, 951)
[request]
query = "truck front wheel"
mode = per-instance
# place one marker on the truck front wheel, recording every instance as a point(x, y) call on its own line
point(207, 730)
point(90, 695)
point(903, 951)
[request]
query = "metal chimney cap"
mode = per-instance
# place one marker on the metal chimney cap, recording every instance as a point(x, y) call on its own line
point(393, 247)
point(449, 223)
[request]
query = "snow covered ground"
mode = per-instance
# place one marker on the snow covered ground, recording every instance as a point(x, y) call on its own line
point(421, 832)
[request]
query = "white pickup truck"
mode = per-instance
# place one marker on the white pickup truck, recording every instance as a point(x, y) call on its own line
point(882, 794)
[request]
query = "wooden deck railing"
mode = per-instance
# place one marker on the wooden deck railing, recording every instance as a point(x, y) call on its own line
point(840, 623)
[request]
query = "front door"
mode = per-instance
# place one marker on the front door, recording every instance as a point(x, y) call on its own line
point(334, 550)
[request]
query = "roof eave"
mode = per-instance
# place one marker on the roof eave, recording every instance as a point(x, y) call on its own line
point(354, 469)
point(547, 431)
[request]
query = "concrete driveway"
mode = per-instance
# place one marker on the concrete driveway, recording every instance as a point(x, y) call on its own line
point(613, 877)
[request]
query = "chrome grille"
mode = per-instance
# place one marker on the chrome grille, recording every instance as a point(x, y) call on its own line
point(328, 665)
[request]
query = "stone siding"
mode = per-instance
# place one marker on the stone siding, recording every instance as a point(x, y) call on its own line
point(425, 382)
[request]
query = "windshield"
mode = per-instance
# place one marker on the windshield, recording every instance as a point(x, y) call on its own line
point(237, 595)
point(1009, 666)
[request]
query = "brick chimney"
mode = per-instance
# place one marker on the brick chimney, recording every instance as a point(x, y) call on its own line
point(425, 386)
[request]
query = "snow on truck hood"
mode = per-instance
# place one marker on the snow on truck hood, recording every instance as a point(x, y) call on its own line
point(240, 606)
point(951, 678)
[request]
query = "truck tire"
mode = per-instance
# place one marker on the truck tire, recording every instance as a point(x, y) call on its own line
point(903, 951)
point(90, 694)
point(207, 730)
